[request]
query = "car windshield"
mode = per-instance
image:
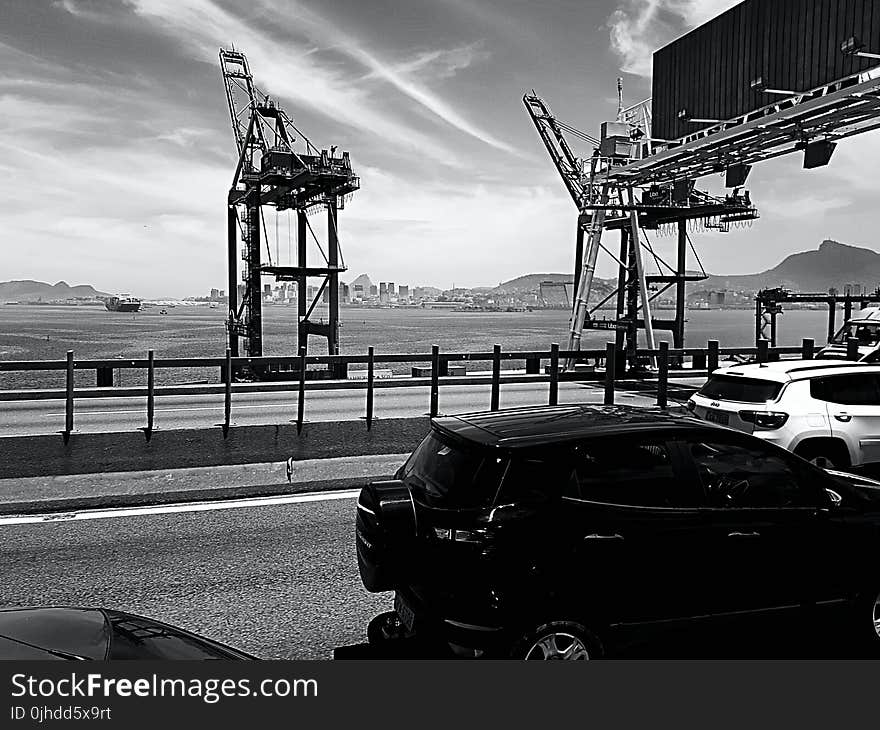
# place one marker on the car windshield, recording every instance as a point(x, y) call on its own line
point(868, 334)
point(450, 474)
point(741, 390)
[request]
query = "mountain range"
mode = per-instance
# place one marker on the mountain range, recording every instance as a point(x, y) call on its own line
point(28, 290)
point(832, 265)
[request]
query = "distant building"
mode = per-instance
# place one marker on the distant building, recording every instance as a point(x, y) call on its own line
point(374, 290)
point(403, 293)
point(391, 289)
point(383, 293)
point(215, 294)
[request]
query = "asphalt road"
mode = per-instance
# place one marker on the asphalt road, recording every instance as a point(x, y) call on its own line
point(277, 581)
point(200, 411)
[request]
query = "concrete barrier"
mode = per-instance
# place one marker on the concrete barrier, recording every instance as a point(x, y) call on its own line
point(88, 453)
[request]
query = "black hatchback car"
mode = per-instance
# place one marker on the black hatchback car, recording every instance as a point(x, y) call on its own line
point(550, 533)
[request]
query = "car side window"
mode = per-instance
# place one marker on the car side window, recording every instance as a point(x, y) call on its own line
point(855, 389)
point(538, 475)
point(628, 472)
point(736, 476)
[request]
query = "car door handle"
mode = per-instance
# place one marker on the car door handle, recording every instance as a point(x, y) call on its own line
point(842, 417)
point(615, 536)
point(744, 534)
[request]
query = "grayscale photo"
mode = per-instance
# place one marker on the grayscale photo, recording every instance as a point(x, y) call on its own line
point(455, 330)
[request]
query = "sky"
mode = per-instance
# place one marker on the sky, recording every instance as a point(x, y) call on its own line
point(116, 148)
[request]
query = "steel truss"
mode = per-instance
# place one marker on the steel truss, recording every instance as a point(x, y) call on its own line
point(607, 204)
point(272, 173)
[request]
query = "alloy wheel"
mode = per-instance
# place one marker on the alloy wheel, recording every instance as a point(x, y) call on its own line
point(877, 616)
point(561, 646)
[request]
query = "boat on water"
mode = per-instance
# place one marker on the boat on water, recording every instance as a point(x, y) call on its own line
point(123, 303)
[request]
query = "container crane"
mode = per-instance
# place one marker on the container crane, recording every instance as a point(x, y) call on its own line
point(271, 172)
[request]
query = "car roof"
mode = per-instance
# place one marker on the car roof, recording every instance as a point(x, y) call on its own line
point(80, 632)
point(541, 425)
point(785, 371)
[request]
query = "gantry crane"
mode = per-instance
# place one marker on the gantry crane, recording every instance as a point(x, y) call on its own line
point(605, 202)
point(271, 172)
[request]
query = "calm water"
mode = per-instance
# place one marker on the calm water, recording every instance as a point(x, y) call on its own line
point(47, 333)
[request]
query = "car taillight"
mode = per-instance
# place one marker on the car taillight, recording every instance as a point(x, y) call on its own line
point(770, 420)
point(475, 536)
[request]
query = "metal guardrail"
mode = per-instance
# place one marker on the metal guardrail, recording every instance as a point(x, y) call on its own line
point(703, 361)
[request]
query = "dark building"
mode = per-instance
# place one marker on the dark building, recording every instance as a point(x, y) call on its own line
point(723, 69)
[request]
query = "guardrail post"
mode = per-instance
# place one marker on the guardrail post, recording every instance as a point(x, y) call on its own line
point(151, 394)
point(852, 348)
point(699, 361)
point(68, 406)
point(763, 350)
point(227, 395)
point(496, 378)
point(807, 347)
point(712, 358)
point(533, 366)
point(663, 376)
point(610, 365)
point(554, 374)
point(104, 377)
point(370, 388)
point(301, 400)
point(435, 380)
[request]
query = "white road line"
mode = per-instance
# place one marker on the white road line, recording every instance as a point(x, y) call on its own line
point(167, 509)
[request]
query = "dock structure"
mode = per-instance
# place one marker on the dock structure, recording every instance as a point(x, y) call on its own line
point(717, 108)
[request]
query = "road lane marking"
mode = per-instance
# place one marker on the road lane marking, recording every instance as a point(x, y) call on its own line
point(176, 508)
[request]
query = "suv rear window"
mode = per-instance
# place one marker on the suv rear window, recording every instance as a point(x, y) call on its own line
point(742, 390)
point(447, 473)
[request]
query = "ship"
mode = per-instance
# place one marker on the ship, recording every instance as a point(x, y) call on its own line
point(122, 303)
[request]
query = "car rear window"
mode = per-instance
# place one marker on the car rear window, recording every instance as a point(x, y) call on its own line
point(742, 390)
point(446, 473)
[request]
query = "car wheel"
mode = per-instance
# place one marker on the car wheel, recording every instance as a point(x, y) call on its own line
point(825, 457)
point(384, 628)
point(560, 640)
point(868, 609)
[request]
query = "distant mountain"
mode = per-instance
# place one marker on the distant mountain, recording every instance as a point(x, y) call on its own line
point(832, 265)
point(364, 281)
point(27, 290)
point(529, 283)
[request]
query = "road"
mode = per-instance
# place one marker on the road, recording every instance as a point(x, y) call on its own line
point(200, 411)
point(279, 581)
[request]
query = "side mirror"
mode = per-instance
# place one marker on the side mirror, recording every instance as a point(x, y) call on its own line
point(836, 499)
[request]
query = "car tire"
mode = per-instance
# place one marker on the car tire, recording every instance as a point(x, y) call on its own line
point(558, 640)
point(384, 628)
point(825, 456)
point(867, 620)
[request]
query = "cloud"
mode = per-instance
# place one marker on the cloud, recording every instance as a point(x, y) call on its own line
point(292, 68)
point(640, 27)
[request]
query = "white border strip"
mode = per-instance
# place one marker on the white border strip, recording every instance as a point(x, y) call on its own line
point(180, 507)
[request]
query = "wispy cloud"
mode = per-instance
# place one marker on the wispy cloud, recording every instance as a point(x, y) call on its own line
point(640, 27)
point(291, 69)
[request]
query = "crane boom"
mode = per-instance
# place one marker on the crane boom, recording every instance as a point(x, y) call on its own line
point(551, 130)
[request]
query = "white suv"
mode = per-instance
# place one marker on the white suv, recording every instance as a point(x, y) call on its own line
point(825, 411)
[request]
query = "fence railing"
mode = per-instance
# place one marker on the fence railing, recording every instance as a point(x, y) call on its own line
point(605, 371)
